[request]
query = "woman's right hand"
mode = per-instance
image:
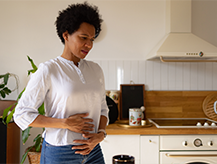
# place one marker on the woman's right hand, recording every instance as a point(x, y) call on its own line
point(77, 123)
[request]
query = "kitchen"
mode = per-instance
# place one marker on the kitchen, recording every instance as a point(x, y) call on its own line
point(120, 50)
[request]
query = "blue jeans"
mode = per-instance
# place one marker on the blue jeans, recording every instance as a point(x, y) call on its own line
point(65, 155)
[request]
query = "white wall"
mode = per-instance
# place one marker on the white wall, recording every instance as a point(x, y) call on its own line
point(130, 30)
point(204, 23)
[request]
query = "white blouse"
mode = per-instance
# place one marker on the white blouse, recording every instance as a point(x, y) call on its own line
point(65, 90)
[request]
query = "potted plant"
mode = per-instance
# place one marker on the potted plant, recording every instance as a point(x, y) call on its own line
point(26, 133)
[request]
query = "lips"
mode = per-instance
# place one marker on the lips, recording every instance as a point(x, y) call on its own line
point(85, 51)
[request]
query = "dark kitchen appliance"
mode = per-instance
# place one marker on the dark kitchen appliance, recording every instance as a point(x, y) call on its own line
point(113, 110)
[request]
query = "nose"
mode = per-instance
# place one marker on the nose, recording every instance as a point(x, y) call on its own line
point(89, 44)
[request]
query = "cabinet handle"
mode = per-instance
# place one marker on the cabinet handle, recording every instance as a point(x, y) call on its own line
point(191, 155)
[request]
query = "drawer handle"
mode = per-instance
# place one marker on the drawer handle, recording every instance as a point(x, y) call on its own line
point(191, 155)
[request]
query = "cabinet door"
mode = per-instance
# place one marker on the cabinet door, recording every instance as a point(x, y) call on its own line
point(121, 144)
point(149, 149)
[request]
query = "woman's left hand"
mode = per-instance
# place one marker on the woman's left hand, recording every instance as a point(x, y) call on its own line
point(88, 145)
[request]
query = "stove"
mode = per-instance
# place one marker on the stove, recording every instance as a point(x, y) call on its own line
point(183, 123)
point(188, 149)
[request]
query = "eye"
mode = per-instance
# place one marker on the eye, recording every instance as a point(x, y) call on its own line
point(84, 38)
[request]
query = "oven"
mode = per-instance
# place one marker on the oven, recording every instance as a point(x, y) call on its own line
point(188, 149)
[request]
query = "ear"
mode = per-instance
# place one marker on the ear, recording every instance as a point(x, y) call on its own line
point(65, 35)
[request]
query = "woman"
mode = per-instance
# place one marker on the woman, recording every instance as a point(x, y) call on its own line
point(73, 92)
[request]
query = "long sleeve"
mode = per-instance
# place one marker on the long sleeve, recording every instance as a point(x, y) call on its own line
point(27, 109)
point(104, 107)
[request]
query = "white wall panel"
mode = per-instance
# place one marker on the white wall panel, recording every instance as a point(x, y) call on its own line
point(156, 75)
point(208, 76)
point(120, 73)
point(134, 71)
point(186, 76)
point(127, 72)
point(214, 75)
point(193, 77)
point(149, 74)
point(201, 76)
point(142, 74)
point(164, 76)
point(172, 76)
point(112, 70)
point(179, 76)
point(160, 76)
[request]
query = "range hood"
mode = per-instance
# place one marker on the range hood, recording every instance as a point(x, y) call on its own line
point(180, 45)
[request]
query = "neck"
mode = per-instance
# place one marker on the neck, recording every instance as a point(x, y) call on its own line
point(70, 56)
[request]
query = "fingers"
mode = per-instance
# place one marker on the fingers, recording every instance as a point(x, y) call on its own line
point(83, 152)
point(79, 124)
point(81, 149)
point(85, 146)
point(88, 126)
point(82, 115)
point(88, 135)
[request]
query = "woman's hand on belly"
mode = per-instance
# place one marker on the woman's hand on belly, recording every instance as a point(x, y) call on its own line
point(77, 123)
point(88, 145)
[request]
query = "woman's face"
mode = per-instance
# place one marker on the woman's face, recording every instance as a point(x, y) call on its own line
point(80, 42)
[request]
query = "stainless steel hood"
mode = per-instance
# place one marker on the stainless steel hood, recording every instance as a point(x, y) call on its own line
point(180, 45)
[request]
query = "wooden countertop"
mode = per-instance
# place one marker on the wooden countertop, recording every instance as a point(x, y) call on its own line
point(115, 129)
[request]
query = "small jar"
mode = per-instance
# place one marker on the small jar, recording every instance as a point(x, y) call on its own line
point(135, 116)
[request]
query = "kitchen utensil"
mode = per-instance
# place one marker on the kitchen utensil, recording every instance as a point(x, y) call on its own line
point(208, 106)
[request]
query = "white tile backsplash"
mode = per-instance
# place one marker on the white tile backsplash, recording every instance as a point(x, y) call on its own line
point(160, 76)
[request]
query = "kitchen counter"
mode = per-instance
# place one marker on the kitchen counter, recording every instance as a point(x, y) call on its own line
point(115, 129)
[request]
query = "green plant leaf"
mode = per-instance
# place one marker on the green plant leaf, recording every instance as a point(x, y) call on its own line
point(30, 71)
point(7, 90)
point(9, 117)
point(38, 136)
point(37, 141)
point(41, 109)
point(25, 134)
point(2, 93)
point(33, 66)
point(6, 77)
point(5, 113)
point(25, 155)
point(2, 85)
point(19, 96)
point(1, 76)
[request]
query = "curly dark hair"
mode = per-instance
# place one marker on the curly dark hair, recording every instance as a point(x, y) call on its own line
point(74, 15)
